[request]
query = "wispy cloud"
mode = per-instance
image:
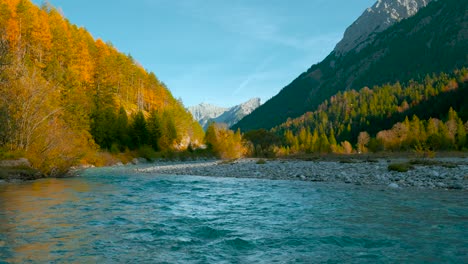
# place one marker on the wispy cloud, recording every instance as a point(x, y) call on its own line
point(258, 70)
point(269, 49)
point(263, 24)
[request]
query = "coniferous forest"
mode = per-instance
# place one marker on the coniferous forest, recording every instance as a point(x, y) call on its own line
point(65, 95)
point(69, 99)
point(363, 158)
point(434, 40)
point(427, 115)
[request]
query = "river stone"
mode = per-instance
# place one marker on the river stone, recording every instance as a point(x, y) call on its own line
point(421, 177)
point(456, 186)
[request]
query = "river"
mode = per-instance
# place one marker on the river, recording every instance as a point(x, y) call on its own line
point(116, 215)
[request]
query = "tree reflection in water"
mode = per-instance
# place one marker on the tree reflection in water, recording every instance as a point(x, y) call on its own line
point(37, 205)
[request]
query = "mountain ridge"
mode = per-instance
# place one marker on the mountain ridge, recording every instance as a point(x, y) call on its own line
point(434, 40)
point(375, 19)
point(206, 113)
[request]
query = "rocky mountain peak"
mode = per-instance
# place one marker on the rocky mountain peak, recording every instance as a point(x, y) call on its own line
point(379, 17)
point(249, 106)
point(205, 113)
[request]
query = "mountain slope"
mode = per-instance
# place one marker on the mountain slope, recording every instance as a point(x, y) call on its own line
point(206, 113)
point(348, 113)
point(434, 40)
point(375, 19)
point(61, 90)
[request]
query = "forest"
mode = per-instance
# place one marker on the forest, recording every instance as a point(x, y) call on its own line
point(68, 99)
point(426, 115)
point(432, 41)
point(65, 97)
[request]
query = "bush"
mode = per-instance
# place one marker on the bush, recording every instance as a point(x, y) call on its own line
point(400, 167)
point(224, 143)
point(115, 148)
point(147, 152)
point(263, 142)
point(7, 154)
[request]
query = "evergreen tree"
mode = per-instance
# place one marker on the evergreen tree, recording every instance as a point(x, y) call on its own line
point(102, 127)
point(324, 144)
point(331, 138)
point(139, 131)
point(121, 130)
point(154, 130)
point(168, 136)
point(461, 135)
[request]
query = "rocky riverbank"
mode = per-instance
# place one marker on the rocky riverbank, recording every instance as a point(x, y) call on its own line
point(442, 173)
point(18, 170)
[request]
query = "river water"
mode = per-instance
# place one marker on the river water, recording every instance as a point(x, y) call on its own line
point(119, 216)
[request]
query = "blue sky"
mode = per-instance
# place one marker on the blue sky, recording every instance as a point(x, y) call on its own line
point(219, 52)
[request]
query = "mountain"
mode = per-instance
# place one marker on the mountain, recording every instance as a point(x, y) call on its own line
point(349, 113)
point(375, 19)
point(206, 113)
point(236, 113)
point(434, 40)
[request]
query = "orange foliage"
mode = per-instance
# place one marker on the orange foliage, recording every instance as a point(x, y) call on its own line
point(59, 76)
point(13, 32)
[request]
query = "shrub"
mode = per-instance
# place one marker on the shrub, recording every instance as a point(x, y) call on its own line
point(224, 143)
point(147, 152)
point(400, 167)
point(115, 148)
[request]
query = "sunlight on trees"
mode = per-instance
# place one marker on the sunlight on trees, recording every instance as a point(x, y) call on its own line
point(224, 143)
point(62, 89)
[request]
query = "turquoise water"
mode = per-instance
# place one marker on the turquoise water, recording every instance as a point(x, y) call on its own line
point(116, 216)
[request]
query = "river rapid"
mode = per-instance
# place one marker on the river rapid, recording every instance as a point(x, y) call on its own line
point(120, 215)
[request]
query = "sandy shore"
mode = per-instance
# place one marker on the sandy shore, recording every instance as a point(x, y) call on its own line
point(359, 172)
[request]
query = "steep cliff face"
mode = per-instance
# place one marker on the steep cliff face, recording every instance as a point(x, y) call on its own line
point(376, 19)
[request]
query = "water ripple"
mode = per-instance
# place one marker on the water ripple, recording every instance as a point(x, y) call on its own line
point(111, 216)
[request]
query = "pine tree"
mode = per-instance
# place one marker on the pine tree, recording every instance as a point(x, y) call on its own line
point(102, 125)
point(461, 136)
point(121, 130)
point(139, 131)
point(324, 144)
point(154, 130)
